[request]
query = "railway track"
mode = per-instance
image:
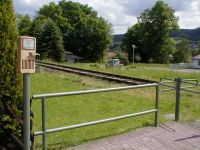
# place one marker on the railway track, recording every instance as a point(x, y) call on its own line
point(96, 74)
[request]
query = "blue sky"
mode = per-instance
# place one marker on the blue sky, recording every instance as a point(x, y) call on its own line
point(123, 13)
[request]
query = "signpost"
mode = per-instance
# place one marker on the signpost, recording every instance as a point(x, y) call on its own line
point(26, 65)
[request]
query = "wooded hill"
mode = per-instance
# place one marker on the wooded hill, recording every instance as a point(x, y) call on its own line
point(192, 35)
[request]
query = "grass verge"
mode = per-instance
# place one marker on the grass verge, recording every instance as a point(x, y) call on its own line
point(78, 109)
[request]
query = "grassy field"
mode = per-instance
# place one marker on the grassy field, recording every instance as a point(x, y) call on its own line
point(78, 109)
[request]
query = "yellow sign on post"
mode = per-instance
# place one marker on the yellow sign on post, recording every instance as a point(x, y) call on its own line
point(27, 54)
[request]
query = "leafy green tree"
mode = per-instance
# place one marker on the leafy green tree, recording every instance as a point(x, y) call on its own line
point(133, 37)
point(183, 54)
point(50, 42)
point(10, 80)
point(37, 26)
point(151, 33)
point(24, 23)
point(84, 33)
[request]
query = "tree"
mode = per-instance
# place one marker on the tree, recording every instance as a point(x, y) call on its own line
point(182, 55)
point(37, 26)
point(133, 37)
point(50, 42)
point(151, 33)
point(10, 81)
point(84, 33)
point(24, 23)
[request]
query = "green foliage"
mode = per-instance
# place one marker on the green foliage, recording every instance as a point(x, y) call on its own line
point(84, 33)
point(50, 42)
point(24, 23)
point(11, 124)
point(10, 81)
point(151, 34)
point(133, 37)
point(182, 55)
point(37, 26)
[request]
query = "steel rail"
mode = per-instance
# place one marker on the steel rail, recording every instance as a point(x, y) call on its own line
point(85, 72)
point(97, 74)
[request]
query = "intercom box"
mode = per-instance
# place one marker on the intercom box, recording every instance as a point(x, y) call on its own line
point(26, 54)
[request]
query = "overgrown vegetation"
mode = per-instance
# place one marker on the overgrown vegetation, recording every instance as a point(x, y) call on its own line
point(10, 81)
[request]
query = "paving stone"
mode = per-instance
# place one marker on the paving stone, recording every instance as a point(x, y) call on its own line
point(169, 136)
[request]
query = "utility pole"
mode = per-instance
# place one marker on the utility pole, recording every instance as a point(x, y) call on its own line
point(133, 46)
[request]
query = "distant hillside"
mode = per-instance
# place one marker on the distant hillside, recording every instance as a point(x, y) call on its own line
point(190, 34)
point(118, 38)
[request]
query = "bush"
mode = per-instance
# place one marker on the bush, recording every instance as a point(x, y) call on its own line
point(10, 81)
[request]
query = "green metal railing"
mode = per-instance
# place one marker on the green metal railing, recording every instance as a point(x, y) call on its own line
point(44, 97)
point(179, 85)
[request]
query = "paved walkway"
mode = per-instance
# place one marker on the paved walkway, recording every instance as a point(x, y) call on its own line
point(170, 136)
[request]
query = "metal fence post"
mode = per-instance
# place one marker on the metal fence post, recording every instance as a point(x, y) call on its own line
point(178, 90)
point(26, 111)
point(44, 136)
point(156, 106)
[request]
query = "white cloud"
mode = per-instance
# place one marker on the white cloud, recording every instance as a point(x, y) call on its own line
point(123, 13)
point(113, 11)
point(189, 18)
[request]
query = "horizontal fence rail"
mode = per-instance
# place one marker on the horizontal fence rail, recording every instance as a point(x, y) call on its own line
point(45, 131)
point(94, 122)
point(92, 91)
point(187, 90)
point(179, 85)
point(193, 82)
